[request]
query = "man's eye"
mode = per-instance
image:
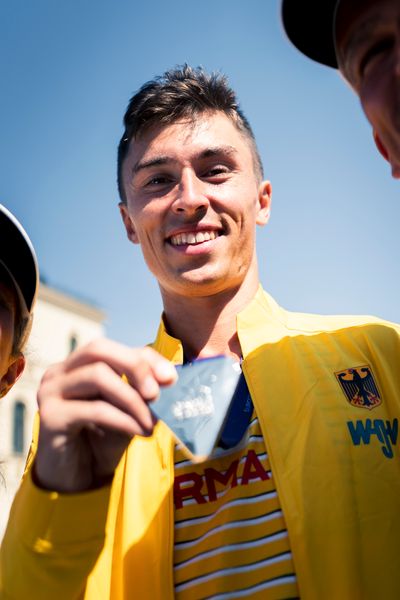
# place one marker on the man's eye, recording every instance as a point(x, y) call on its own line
point(377, 49)
point(158, 180)
point(216, 171)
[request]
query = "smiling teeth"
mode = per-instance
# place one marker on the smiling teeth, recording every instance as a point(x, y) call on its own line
point(193, 238)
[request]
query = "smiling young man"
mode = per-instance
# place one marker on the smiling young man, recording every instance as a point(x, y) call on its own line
point(110, 506)
point(198, 239)
point(18, 287)
point(362, 39)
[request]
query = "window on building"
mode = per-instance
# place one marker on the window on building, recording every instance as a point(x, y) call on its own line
point(73, 342)
point(19, 427)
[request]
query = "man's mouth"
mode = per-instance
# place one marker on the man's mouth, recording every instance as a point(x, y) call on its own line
point(193, 237)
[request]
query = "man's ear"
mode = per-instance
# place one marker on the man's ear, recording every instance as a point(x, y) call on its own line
point(380, 145)
point(264, 203)
point(129, 226)
point(13, 373)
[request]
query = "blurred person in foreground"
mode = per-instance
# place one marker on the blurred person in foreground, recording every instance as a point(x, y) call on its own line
point(18, 287)
point(361, 38)
point(306, 503)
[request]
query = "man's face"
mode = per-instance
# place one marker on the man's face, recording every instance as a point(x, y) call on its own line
point(368, 49)
point(193, 201)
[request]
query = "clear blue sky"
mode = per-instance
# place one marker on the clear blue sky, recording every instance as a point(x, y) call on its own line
point(67, 72)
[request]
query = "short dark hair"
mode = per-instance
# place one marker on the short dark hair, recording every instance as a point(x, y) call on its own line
point(181, 92)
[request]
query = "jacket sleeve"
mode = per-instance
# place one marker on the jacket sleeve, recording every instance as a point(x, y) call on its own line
point(51, 543)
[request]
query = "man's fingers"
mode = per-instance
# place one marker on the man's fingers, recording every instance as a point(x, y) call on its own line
point(148, 370)
point(95, 415)
point(103, 415)
point(90, 406)
point(51, 372)
point(100, 381)
point(144, 368)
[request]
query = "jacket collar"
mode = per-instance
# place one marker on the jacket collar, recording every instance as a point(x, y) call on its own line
point(170, 347)
point(261, 322)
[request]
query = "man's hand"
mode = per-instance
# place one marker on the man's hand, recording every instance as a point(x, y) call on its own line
point(88, 413)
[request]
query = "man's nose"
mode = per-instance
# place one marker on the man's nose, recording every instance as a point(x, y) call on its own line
point(191, 196)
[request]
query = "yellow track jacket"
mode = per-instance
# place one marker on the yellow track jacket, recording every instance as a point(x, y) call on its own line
point(327, 394)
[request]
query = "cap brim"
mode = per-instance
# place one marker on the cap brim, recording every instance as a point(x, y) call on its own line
point(18, 255)
point(309, 26)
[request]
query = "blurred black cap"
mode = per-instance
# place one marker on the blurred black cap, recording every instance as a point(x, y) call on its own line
point(309, 25)
point(18, 257)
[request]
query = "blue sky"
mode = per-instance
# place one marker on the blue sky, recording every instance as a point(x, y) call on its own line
point(68, 70)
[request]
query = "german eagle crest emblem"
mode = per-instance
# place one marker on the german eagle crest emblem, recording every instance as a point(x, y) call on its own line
point(359, 387)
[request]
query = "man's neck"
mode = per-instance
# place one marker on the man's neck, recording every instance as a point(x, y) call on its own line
point(206, 325)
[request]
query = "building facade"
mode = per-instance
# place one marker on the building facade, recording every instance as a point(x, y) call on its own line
point(61, 323)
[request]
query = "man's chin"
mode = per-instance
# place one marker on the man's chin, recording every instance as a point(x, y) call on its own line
point(201, 284)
